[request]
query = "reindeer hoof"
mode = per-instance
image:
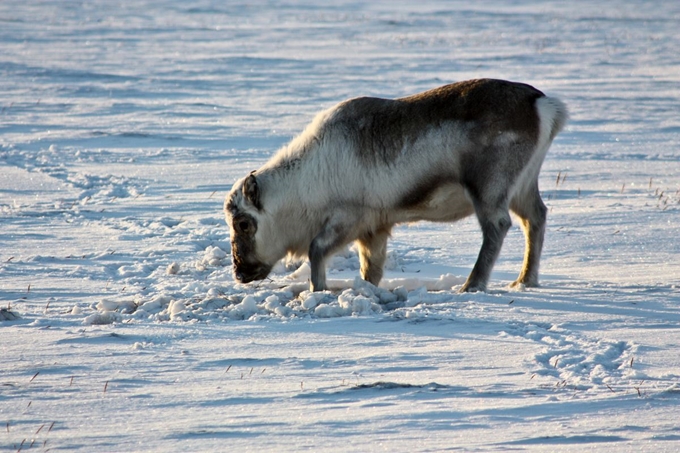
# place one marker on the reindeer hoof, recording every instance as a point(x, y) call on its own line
point(522, 285)
point(472, 288)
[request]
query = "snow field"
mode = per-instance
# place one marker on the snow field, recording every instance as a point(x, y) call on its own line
point(123, 126)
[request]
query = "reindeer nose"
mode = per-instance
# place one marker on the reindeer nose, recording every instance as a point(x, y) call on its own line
point(239, 276)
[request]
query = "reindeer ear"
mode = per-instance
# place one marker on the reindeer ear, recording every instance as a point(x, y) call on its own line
point(252, 191)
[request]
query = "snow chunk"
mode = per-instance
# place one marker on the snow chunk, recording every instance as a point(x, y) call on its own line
point(447, 282)
point(122, 306)
point(176, 307)
point(416, 297)
point(271, 303)
point(245, 309)
point(172, 269)
point(212, 256)
point(156, 304)
point(108, 317)
point(309, 300)
point(360, 305)
point(329, 311)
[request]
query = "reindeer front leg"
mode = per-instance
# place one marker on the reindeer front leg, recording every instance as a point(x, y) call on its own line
point(317, 261)
point(372, 254)
point(334, 234)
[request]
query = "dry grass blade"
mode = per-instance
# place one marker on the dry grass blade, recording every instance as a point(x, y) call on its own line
point(638, 388)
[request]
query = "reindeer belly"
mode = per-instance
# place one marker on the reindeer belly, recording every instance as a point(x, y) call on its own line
point(447, 203)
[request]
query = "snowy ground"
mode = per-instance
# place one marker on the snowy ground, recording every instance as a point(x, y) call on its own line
point(122, 127)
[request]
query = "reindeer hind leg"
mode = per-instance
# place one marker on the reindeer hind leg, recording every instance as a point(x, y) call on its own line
point(530, 208)
point(495, 222)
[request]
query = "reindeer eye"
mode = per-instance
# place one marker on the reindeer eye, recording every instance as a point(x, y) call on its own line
point(245, 225)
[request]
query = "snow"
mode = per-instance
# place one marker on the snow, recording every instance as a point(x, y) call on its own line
point(123, 126)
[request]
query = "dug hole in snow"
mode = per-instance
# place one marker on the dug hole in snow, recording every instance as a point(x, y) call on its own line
point(283, 296)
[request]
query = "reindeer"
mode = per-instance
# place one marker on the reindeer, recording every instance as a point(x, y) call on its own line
point(367, 164)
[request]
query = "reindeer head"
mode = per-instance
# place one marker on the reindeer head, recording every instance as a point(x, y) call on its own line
point(244, 213)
